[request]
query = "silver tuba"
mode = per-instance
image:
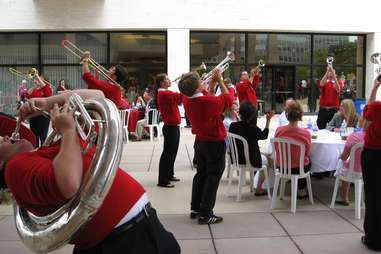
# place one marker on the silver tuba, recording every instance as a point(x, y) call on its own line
point(222, 66)
point(330, 61)
point(375, 58)
point(48, 233)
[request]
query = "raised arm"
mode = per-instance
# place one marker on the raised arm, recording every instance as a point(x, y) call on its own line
point(373, 93)
point(324, 78)
point(67, 164)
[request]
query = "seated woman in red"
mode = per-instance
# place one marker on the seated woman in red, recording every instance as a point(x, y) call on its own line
point(294, 132)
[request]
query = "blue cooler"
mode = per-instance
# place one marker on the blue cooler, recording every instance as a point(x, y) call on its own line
point(359, 105)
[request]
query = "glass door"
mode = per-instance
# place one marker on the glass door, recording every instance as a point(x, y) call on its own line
point(278, 84)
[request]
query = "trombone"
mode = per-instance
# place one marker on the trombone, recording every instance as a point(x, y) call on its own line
point(202, 67)
point(31, 75)
point(72, 48)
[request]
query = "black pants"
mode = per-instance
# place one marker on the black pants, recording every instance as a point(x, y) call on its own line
point(39, 126)
point(168, 156)
point(210, 167)
point(325, 115)
point(148, 236)
point(370, 163)
point(302, 182)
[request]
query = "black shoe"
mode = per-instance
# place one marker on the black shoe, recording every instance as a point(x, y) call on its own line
point(174, 179)
point(193, 214)
point(212, 219)
point(368, 245)
point(166, 185)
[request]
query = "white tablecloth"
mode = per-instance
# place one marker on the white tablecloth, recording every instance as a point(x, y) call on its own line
point(325, 152)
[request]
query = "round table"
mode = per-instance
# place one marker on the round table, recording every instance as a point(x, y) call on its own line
point(326, 150)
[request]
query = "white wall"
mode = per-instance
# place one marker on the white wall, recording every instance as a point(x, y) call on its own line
point(270, 15)
point(373, 45)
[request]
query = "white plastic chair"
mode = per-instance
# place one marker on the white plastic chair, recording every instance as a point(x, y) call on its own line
point(242, 168)
point(283, 171)
point(153, 116)
point(349, 175)
point(124, 118)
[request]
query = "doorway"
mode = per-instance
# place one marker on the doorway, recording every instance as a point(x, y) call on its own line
point(278, 84)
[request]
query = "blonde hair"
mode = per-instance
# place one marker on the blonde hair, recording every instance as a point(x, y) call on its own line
point(350, 112)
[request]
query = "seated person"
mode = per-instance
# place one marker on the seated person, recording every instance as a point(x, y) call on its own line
point(294, 132)
point(346, 117)
point(147, 103)
point(231, 115)
point(46, 178)
point(354, 138)
point(283, 116)
point(248, 129)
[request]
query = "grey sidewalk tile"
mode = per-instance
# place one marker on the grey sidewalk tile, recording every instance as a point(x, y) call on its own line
point(331, 244)
point(247, 225)
point(318, 222)
point(256, 245)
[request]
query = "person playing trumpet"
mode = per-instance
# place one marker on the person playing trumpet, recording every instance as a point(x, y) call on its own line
point(204, 112)
point(330, 90)
point(43, 180)
point(112, 91)
point(39, 124)
point(247, 85)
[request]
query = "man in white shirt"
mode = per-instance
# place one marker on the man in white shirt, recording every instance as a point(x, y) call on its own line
point(283, 117)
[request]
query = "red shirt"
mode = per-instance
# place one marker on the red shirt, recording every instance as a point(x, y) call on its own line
point(30, 177)
point(204, 112)
point(297, 134)
point(111, 91)
point(246, 90)
point(329, 97)
point(44, 91)
point(372, 112)
point(168, 102)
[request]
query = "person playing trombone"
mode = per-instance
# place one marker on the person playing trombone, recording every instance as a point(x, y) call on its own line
point(111, 90)
point(247, 85)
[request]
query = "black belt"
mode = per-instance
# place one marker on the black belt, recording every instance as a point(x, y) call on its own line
point(133, 222)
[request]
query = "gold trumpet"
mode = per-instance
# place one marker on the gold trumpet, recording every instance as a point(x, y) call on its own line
point(72, 48)
point(202, 67)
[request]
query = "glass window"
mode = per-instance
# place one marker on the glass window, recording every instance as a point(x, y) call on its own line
point(71, 74)
point(305, 91)
point(138, 48)
point(53, 53)
point(211, 48)
point(345, 49)
point(279, 48)
point(19, 48)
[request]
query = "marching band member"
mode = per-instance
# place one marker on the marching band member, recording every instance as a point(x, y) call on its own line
point(330, 90)
point(112, 91)
point(247, 85)
point(40, 124)
point(370, 161)
point(43, 180)
point(62, 86)
point(22, 93)
point(167, 103)
point(204, 112)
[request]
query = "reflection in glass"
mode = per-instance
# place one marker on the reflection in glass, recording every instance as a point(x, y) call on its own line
point(211, 48)
point(345, 49)
point(138, 48)
point(53, 53)
point(279, 48)
point(19, 48)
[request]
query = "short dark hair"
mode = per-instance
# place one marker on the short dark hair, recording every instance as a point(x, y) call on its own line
point(189, 83)
point(160, 78)
point(121, 73)
point(295, 112)
point(248, 113)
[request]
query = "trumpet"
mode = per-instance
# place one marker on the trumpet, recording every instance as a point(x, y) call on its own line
point(222, 66)
point(330, 61)
point(202, 67)
point(72, 48)
point(375, 58)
